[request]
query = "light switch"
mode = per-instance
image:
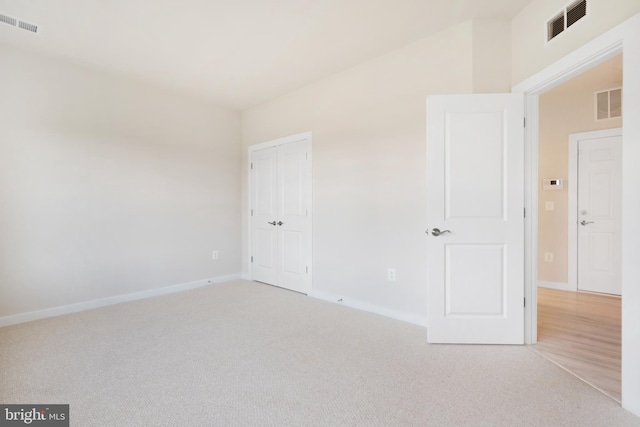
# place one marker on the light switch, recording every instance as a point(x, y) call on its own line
point(549, 206)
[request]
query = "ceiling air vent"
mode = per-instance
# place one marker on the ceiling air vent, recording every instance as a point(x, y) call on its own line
point(563, 20)
point(8, 20)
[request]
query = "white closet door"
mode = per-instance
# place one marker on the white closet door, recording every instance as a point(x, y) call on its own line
point(294, 229)
point(264, 210)
point(281, 221)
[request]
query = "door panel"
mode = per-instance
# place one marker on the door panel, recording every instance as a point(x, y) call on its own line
point(466, 196)
point(599, 214)
point(475, 183)
point(463, 297)
point(292, 180)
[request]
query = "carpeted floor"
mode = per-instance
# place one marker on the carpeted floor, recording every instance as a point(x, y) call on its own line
point(246, 354)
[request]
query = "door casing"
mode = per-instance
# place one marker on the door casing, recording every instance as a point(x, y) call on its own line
point(625, 36)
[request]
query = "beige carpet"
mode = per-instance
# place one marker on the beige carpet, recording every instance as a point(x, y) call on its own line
point(245, 354)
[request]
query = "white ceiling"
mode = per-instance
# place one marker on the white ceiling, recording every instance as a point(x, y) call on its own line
point(238, 53)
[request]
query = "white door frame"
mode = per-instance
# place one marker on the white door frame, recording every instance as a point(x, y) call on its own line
point(588, 56)
point(275, 143)
point(572, 188)
point(626, 35)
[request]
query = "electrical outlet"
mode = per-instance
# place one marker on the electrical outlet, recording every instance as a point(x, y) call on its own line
point(391, 274)
point(548, 256)
point(214, 255)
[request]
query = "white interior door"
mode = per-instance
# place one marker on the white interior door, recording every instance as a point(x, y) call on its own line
point(599, 214)
point(264, 215)
point(294, 226)
point(280, 215)
point(475, 195)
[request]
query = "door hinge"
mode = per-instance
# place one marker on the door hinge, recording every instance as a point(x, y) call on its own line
point(524, 212)
point(306, 156)
point(252, 259)
point(307, 269)
point(524, 121)
point(251, 165)
point(251, 212)
point(525, 302)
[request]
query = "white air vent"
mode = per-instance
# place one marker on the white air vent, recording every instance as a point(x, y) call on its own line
point(608, 104)
point(18, 23)
point(8, 20)
point(563, 20)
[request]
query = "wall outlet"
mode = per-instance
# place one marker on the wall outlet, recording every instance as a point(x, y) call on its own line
point(391, 274)
point(214, 255)
point(548, 256)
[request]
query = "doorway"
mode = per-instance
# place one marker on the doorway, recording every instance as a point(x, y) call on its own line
point(577, 330)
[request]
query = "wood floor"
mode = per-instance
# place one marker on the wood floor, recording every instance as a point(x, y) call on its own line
point(582, 333)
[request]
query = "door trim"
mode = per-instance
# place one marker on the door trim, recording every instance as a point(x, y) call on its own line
point(572, 188)
point(595, 52)
point(299, 137)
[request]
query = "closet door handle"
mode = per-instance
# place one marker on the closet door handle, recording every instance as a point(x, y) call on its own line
point(436, 232)
point(272, 223)
point(280, 222)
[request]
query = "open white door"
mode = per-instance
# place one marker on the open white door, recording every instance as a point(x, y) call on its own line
point(475, 196)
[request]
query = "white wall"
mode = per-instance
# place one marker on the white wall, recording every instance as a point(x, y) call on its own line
point(630, 223)
point(109, 186)
point(532, 53)
point(564, 110)
point(491, 56)
point(369, 154)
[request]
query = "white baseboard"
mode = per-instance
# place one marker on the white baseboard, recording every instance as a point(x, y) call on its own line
point(103, 302)
point(555, 285)
point(371, 308)
point(246, 276)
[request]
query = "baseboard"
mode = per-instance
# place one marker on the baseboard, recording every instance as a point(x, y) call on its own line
point(555, 285)
point(246, 276)
point(103, 302)
point(371, 308)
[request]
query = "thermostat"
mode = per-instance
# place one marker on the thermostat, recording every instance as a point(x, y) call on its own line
point(552, 184)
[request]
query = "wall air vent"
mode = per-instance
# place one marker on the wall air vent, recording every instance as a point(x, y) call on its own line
point(608, 104)
point(563, 20)
point(576, 11)
point(27, 26)
point(18, 23)
point(8, 20)
point(555, 26)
